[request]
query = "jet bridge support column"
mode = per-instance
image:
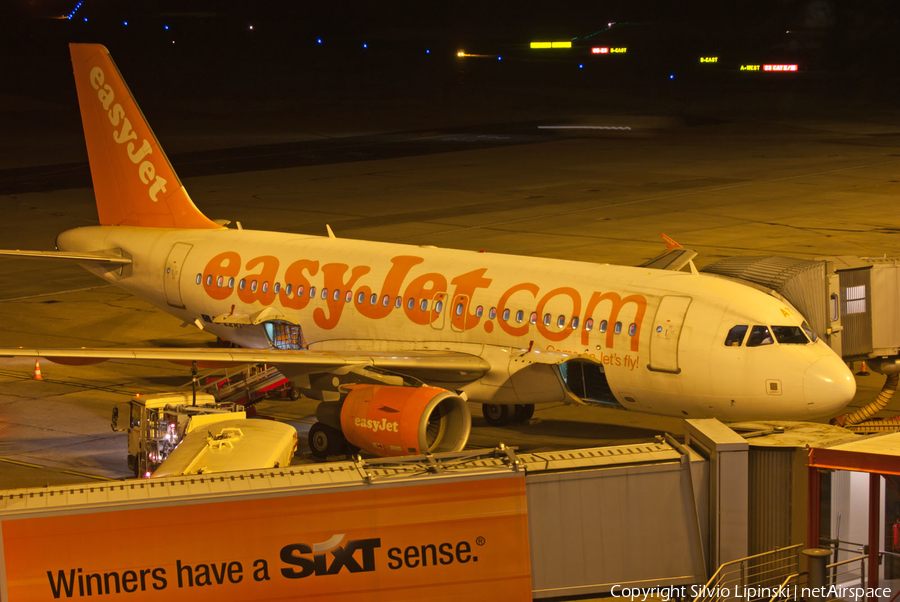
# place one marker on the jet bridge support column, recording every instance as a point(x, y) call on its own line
point(728, 455)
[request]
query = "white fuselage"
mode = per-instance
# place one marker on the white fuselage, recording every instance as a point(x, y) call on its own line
point(660, 335)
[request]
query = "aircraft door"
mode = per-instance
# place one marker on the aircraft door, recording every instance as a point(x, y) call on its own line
point(438, 310)
point(172, 280)
point(666, 332)
point(459, 312)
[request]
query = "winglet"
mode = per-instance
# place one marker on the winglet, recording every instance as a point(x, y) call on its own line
point(134, 183)
point(670, 242)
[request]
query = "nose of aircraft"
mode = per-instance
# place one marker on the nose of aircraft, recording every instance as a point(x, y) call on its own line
point(828, 385)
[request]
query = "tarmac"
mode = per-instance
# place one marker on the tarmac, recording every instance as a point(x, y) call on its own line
point(805, 185)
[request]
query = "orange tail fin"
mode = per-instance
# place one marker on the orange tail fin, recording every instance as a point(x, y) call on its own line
point(134, 183)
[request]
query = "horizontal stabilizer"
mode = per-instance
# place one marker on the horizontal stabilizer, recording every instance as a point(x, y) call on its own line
point(673, 259)
point(71, 256)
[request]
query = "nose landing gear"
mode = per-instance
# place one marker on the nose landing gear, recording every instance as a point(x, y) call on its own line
point(502, 415)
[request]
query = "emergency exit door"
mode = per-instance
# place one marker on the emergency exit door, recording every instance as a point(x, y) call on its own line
point(666, 333)
point(172, 280)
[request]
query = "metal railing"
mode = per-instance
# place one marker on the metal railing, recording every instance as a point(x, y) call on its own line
point(775, 576)
point(752, 578)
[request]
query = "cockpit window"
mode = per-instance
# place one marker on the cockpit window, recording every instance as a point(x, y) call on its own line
point(759, 335)
point(736, 336)
point(809, 332)
point(789, 335)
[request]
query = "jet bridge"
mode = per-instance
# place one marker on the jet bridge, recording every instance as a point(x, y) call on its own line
point(484, 525)
point(850, 302)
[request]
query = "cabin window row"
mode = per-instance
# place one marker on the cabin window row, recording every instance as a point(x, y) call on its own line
point(561, 321)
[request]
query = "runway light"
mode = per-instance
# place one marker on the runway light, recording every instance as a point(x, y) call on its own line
point(125, 23)
point(499, 58)
point(365, 45)
point(318, 40)
point(581, 65)
point(671, 76)
point(166, 27)
point(427, 51)
point(460, 53)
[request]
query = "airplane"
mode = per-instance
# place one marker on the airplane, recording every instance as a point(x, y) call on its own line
point(393, 339)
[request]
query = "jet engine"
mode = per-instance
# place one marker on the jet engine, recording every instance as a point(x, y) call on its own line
point(398, 421)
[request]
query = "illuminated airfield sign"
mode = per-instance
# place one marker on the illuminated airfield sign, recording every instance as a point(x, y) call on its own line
point(779, 67)
point(749, 67)
point(567, 44)
point(709, 59)
point(608, 50)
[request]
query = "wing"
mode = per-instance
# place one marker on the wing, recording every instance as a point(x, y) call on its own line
point(672, 259)
point(70, 256)
point(447, 366)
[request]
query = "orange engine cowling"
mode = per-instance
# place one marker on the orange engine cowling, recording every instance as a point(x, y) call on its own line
point(399, 421)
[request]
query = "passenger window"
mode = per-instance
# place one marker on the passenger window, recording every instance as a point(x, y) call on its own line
point(209, 280)
point(231, 283)
point(242, 283)
point(386, 300)
point(560, 321)
point(300, 290)
point(533, 318)
point(253, 285)
point(479, 311)
point(602, 327)
point(459, 309)
point(373, 299)
point(546, 319)
point(735, 336)
point(789, 335)
point(361, 297)
point(312, 292)
point(411, 304)
point(618, 328)
point(632, 329)
point(520, 315)
point(220, 281)
point(324, 293)
point(493, 313)
point(398, 302)
point(337, 294)
point(759, 335)
point(287, 289)
point(506, 315)
point(348, 297)
point(575, 323)
point(265, 287)
point(423, 305)
point(438, 307)
point(199, 278)
point(589, 324)
point(276, 288)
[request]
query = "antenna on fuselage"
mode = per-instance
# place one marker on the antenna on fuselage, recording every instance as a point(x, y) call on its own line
point(330, 231)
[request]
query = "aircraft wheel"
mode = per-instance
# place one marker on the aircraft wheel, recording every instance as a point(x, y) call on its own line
point(325, 441)
point(523, 413)
point(295, 393)
point(495, 414)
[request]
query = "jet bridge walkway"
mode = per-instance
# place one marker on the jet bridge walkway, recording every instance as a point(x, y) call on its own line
point(536, 526)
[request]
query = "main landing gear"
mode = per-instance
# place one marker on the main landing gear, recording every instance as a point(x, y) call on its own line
point(501, 415)
point(326, 441)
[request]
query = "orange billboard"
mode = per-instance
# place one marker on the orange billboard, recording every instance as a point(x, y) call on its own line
point(438, 541)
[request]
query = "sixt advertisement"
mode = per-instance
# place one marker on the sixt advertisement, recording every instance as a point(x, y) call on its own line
point(440, 541)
